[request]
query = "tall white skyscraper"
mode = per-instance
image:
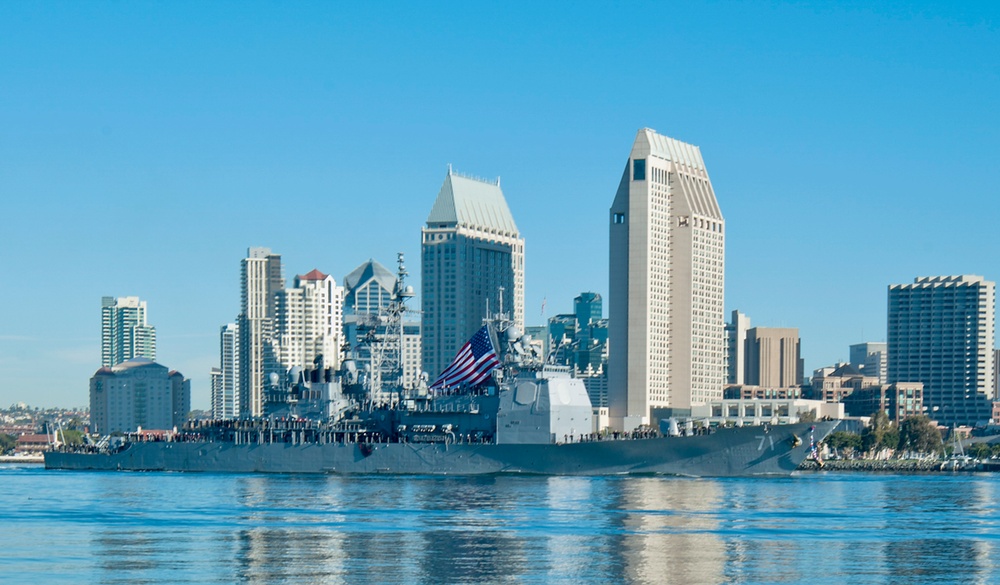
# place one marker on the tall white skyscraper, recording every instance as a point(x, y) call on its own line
point(309, 321)
point(124, 331)
point(667, 245)
point(226, 378)
point(941, 331)
point(261, 280)
point(471, 250)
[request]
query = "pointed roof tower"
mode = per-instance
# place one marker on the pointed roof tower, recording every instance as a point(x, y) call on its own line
point(471, 202)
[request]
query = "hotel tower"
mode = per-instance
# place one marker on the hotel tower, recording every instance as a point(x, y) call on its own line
point(471, 250)
point(667, 246)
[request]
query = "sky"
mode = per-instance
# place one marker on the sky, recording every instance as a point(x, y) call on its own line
point(144, 146)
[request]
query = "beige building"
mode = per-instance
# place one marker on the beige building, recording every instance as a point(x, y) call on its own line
point(667, 245)
point(773, 357)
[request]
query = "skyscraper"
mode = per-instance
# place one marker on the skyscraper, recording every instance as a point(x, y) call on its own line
point(368, 289)
point(226, 378)
point(261, 280)
point(941, 331)
point(124, 331)
point(667, 246)
point(471, 249)
point(309, 321)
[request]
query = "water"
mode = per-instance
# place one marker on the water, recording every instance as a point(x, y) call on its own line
point(92, 527)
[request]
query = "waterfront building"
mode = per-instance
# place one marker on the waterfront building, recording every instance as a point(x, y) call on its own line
point(736, 340)
point(759, 412)
point(871, 358)
point(941, 332)
point(226, 378)
point(834, 384)
point(309, 322)
point(138, 393)
point(898, 400)
point(667, 249)
point(472, 264)
point(747, 392)
point(261, 279)
point(773, 357)
point(125, 334)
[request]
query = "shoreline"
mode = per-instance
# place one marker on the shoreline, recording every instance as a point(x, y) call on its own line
point(34, 459)
point(889, 465)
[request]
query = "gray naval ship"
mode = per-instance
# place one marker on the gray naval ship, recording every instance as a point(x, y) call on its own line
point(502, 410)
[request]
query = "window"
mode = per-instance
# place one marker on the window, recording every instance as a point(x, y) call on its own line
point(619, 218)
point(639, 169)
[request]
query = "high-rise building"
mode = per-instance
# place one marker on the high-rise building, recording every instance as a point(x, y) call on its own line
point(589, 309)
point(261, 280)
point(309, 321)
point(667, 247)
point(773, 357)
point(736, 340)
point(215, 386)
point(138, 393)
point(124, 331)
point(941, 332)
point(472, 264)
point(871, 359)
point(226, 378)
point(368, 289)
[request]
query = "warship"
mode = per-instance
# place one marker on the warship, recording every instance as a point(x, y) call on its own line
point(498, 408)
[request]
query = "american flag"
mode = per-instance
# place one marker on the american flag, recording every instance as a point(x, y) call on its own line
point(472, 364)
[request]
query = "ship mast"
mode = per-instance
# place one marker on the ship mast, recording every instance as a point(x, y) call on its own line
point(387, 374)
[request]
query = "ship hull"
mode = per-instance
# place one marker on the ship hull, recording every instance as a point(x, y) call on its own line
point(777, 450)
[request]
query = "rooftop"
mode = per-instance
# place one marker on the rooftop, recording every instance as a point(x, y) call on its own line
point(471, 202)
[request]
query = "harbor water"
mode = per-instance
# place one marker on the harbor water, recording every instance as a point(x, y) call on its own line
point(136, 528)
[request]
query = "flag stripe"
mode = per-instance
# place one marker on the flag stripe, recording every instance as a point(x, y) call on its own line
point(472, 364)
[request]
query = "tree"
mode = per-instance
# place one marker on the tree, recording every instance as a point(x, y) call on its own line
point(7, 442)
point(918, 433)
point(72, 437)
point(979, 450)
point(880, 434)
point(807, 416)
point(844, 442)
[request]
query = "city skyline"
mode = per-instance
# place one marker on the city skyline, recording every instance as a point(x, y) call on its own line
point(188, 140)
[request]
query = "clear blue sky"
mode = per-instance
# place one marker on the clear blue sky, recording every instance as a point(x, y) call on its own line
point(145, 146)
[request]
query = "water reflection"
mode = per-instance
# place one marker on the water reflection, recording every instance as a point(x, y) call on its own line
point(669, 531)
point(156, 528)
